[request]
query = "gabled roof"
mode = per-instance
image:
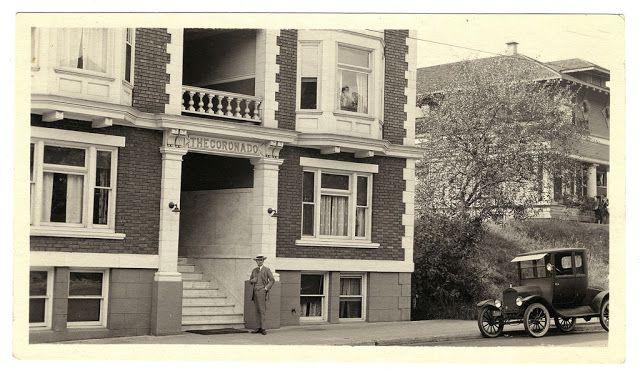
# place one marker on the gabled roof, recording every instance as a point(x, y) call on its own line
point(437, 78)
point(574, 65)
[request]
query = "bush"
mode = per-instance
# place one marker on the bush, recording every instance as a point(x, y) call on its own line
point(447, 279)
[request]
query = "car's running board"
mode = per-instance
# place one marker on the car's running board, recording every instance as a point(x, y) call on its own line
point(581, 311)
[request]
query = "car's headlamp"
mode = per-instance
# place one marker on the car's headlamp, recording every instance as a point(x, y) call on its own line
point(519, 301)
point(497, 303)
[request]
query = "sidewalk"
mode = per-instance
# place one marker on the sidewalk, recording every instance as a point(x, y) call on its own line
point(361, 333)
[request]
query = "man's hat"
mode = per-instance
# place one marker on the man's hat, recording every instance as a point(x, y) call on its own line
point(260, 257)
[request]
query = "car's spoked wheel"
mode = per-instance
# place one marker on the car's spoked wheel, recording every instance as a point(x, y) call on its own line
point(604, 315)
point(536, 320)
point(565, 324)
point(490, 323)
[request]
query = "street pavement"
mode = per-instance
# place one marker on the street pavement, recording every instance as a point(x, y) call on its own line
point(415, 333)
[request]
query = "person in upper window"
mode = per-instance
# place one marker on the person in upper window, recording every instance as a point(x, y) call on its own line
point(346, 100)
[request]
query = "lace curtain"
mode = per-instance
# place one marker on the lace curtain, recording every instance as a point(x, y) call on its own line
point(334, 215)
point(84, 48)
point(62, 198)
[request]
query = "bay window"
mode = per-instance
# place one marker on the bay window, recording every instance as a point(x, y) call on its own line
point(313, 297)
point(73, 184)
point(40, 294)
point(352, 300)
point(128, 54)
point(336, 203)
point(353, 79)
point(87, 298)
point(83, 48)
point(309, 73)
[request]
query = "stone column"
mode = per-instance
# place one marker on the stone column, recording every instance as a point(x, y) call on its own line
point(592, 189)
point(266, 69)
point(166, 312)
point(265, 196)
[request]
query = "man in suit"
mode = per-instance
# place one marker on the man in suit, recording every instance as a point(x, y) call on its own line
point(261, 280)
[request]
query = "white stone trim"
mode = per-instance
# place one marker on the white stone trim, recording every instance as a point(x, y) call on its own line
point(91, 260)
point(343, 265)
point(174, 69)
point(408, 217)
point(77, 137)
point(336, 243)
point(410, 90)
point(265, 74)
point(99, 233)
point(338, 165)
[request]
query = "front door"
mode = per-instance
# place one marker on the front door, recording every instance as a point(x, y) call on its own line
point(564, 282)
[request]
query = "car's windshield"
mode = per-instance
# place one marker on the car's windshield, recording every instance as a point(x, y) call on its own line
point(532, 269)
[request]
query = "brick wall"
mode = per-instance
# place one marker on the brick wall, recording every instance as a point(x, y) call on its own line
point(394, 83)
point(286, 96)
point(387, 208)
point(150, 71)
point(137, 199)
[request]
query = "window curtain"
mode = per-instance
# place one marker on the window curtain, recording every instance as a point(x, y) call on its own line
point(361, 214)
point(312, 307)
point(334, 215)
point(363, 97)
point(73, 201)
point(350, 286)
point(84, 48)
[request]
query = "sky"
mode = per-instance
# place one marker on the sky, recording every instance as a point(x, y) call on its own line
point(596, 38)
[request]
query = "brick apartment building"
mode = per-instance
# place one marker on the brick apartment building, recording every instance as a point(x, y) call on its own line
point(164, 160)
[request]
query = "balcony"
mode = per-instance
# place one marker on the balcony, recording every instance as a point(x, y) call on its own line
point(219, 79)
point(204, 102)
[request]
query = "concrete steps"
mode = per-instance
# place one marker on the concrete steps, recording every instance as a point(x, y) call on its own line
point(205, 305)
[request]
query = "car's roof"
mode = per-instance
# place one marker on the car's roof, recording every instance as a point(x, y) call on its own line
point(548, 251)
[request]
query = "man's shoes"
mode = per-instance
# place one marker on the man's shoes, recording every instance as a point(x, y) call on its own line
point(263, 331)
point(257, 331)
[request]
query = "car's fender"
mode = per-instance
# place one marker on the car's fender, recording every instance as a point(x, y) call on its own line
point(488, 302)
point(535, 299)
point(598, 299)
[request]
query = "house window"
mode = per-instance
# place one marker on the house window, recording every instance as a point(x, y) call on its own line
point(128, 61)
point(606, 115)
point(354, 70)
point(601, 178)
point(40, 292)
point(351, 297)
point(87, 298)
point(312, 297)
point(336, 204)
point(309, 74)
point(83, 48)
point(72, 185)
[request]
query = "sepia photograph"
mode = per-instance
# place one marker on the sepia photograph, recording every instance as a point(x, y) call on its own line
point(420, 182)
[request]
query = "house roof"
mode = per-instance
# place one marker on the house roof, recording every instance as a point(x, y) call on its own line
point(437, 78)
point(574, 64)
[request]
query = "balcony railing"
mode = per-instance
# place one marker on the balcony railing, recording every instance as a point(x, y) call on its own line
point(223, 104)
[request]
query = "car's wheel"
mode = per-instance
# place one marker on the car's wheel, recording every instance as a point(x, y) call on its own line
point(536, 320)
point(604, 314)
point(565, 324)
point(490, 323)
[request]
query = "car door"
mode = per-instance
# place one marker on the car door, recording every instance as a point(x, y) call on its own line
point(564, 280)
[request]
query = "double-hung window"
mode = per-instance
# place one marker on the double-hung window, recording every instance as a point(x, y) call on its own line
point(336, 202)
point(310, 58)
point(73, 184)
point(87, 304)
point(353, 77)
point(40, 293)
point(128, 54)
point(313, 297)
point(352, 299)
point(83, 48)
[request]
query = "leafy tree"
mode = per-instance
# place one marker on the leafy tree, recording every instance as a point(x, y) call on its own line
point(492, 136)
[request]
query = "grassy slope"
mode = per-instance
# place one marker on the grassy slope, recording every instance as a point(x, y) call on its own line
point(502, 242)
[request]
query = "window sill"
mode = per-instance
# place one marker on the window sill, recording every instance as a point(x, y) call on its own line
point(362, 116)
point(76, 233)
point(337, 243)
point(301, 111)
point(84, 73)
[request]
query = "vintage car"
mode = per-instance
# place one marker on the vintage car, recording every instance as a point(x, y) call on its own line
point(552, 284)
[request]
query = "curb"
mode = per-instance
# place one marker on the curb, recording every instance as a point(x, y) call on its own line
point(445, 338)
